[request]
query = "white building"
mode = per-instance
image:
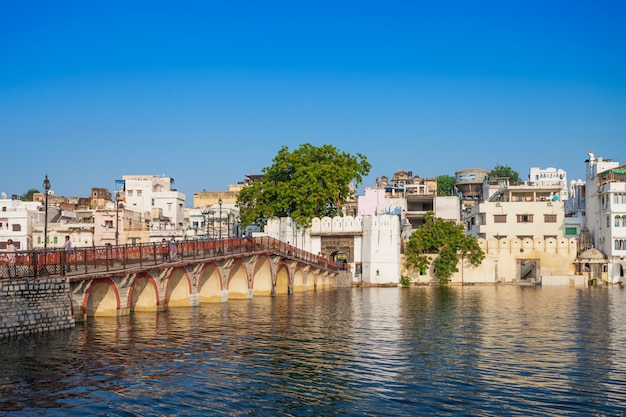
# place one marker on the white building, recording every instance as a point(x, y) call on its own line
point(518, 211)
point(17, 219)
point(575, 209)
point(154, 196)
point(370, 245)
point(606, 212)
point(213, 222)
point(550, 177)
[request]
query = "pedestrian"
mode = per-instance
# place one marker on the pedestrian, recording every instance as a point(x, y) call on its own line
point(164, 250)
point(173, 249)
point(67, 248)
point(11, 258)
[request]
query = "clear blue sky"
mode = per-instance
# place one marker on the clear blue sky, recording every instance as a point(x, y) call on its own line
point(207, 92)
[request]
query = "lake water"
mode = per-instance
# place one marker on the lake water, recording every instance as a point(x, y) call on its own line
point(432, 351)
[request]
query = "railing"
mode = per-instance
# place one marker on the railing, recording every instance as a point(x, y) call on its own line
point(98, 259)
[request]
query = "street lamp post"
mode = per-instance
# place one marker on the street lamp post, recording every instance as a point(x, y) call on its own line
point(205, 212)
point(46, 186)
point(220, 204)
point(117, 218)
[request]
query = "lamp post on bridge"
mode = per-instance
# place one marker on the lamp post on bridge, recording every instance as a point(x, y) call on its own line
point(206, 212)
point(219, 202)
point(117, 217)
point(46, 186)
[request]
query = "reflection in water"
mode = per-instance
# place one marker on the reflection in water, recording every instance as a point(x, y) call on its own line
point(484, 351)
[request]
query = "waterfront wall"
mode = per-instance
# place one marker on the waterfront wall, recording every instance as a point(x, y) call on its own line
point(34, 306)
point(509, 260)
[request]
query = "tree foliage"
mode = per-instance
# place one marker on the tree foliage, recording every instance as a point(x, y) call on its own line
point(503, 171)
point(306, 183)
point(445, 185)
point(28, 195)
point(445, 238)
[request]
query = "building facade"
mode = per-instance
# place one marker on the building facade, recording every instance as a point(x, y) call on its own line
point(606, 212)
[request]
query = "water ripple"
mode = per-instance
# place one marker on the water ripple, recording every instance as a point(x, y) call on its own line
point(488, 351)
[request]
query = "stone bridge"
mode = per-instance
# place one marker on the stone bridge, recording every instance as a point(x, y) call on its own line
point(227, 270)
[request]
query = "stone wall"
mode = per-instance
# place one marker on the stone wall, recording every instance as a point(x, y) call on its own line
point(344, 280)
point(30, 306)
point(504, 259)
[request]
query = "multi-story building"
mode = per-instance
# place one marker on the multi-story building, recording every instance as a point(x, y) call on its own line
point(575, 209)
point(606, 212)
point(518, 211)
point(549, 177)
point(17, 219)
point(158, 202)
point(408, 197)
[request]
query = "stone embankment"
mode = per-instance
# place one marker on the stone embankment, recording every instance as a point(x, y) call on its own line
point(30, 306)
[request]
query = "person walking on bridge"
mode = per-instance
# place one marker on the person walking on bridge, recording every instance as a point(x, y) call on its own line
point(67, 248)
point(173, 249)
point(10, 257)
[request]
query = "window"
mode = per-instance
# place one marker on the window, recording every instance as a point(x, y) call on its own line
point(139, 193)
point(549, 218)
point(617, 221)
point(571, 231)
point(499, 218)
point(524, 218)
point(108, 224)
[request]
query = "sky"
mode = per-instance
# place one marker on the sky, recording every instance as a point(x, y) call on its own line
point(207, 92)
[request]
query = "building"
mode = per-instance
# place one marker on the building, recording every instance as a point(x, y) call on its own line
point(162, 206)
point(408, 197)
point(17, 220)
point(517, 211)
point(606, 213)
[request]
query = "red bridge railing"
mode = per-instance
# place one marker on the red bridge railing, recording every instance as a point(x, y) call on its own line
point(31, 264)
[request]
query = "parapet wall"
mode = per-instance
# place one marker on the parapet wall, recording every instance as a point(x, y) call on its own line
point(550, 245)
point(34, 306)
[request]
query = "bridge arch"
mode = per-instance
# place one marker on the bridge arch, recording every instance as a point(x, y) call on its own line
point(298, 280)
point(282, 279)
point(238, 280)
point(102, 298)
point(178, 292)
point(262, 277)
point(143, 294)
point(311, 277)
point(210, 284)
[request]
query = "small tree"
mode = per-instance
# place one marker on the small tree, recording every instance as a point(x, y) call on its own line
point(28, 195)
point(445, 238)
point(503, 171)
point(445, 185)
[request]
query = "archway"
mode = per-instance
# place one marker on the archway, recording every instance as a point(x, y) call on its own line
point(238, 281)
point(262, 277)
point(143, 294)
point(102, 299)
point(178, 289)
point(210, 285)
point(282, 280)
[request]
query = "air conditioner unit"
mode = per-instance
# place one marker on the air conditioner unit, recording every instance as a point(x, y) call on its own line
point(498, 205)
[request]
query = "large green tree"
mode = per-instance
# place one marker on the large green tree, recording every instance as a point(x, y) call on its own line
point(309, 182)
point(445, 185)
point(502, 171)
point(445, 238)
